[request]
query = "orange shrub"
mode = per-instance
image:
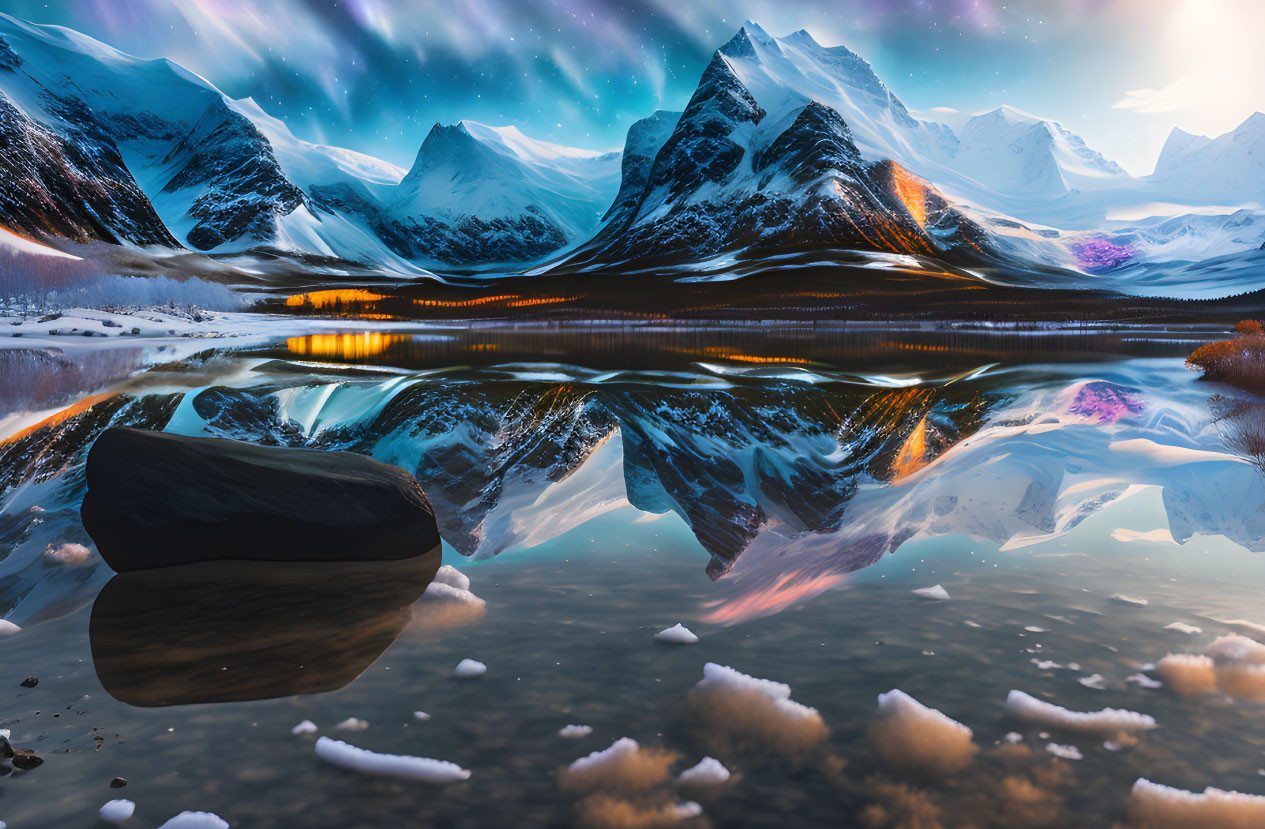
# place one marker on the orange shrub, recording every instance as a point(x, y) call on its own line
point(1239, 362)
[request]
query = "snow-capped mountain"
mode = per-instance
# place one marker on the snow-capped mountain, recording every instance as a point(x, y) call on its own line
point(478, 194)
point(785, 74)
point(1228, 168)
point(1017, 154)
point(75, 187)
point(785, 144)
point(223, 176)
point(754, 163)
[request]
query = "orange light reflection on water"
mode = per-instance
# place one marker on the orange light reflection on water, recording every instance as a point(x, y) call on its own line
point(345, 346)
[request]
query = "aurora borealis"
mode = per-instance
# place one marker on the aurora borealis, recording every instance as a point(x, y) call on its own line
point(375, 75)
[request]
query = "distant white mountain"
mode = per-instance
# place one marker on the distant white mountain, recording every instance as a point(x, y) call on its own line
point(1228, 167)
point(1015, 153)
point(550, 195)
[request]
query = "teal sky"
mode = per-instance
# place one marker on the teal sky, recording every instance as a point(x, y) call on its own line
point(375, 75)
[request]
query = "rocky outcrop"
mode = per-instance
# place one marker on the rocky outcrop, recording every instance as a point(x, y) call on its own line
point(243, 189)
point(723, 183)
point(156, 499)
point(73, 186)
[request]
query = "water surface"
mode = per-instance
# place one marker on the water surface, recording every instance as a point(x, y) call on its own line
point(781, 494)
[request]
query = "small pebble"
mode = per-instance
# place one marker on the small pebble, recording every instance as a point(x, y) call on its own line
point(30, 682)
point(118, 782)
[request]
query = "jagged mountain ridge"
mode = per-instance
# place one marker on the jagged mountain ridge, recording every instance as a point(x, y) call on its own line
point(732, 175)
point(224, 176)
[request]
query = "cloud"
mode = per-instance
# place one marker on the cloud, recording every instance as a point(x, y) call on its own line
point(1173, 97)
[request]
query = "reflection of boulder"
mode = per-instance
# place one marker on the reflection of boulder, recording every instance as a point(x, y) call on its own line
point(226, 631)
point(157, 499)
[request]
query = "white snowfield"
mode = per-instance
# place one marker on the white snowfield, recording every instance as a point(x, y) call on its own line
point(347, 756)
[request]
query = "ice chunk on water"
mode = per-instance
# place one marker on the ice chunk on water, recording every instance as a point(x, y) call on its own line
point(347, 756)
point(421, 715)
point(733, 705)
point(935, 593)
point(452, 577)
point(305, 727)
point(1144, 681)
point(575, 732)
point(623, 766)
point(470, 668)
point(910, 735)
point(1095, 681)
point(1188, 674)
point(352, 724)
point(117, 811)
point(7, 628)
point(196, 820)
point(1107, 722)
point(1129, 600)
point(436, 592)
point(1066, 752)
point(678, 634)
point(707, 772)
point(1159, 806)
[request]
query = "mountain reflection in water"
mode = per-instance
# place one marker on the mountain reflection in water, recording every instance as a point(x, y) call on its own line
point(788, 476)
point(231, 631)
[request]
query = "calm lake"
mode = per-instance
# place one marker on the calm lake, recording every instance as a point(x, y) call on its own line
point(1086, 504)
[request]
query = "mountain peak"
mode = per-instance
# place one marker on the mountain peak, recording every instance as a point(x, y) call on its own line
point(754, 30)
point(1254, 123)
point(803, 38)
point(738, 46)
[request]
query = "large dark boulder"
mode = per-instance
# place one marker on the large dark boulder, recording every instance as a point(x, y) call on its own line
point(156, 499)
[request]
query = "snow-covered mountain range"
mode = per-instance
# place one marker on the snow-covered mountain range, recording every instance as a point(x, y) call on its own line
point(190, 166)
point(785, 143)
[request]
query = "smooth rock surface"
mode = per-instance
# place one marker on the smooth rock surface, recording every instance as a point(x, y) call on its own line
point(156, 499)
